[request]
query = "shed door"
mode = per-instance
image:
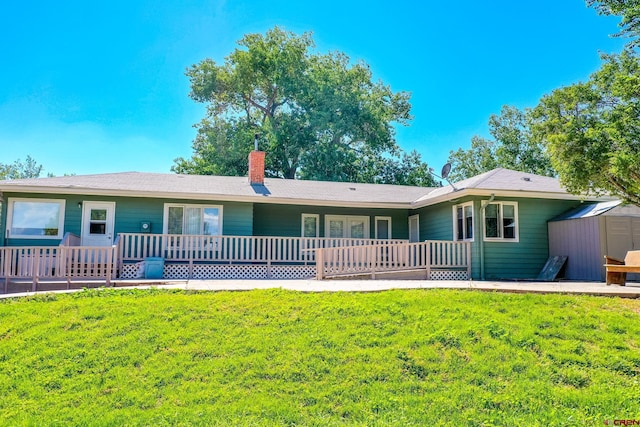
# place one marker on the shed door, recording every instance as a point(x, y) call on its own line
point(623, 234)
point(619, 237)
point(635, 232)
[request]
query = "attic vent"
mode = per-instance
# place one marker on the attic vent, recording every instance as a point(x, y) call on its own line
point(526, 178)
point(352, 188)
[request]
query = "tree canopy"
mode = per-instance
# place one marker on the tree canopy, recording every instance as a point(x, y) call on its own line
point(20, 170)
point(318, 116)
point(629, 10)
point(592, 129)
point(512, 147)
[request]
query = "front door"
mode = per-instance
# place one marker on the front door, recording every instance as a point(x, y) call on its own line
point(97, 223)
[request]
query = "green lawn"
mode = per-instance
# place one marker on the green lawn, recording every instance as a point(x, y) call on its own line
point(418, 357)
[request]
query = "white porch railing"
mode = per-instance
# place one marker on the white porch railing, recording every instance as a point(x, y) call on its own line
point(58, 262)
point(368, 260)
point(232, 249)
point(331, 257)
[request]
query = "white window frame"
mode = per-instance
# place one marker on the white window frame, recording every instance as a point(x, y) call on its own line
point(516, 225)
point(317, 218)
point(417, 218)
point(165, 219)
point(346, 218)
point(60, 202)
point(464, 228)
point(382, 218)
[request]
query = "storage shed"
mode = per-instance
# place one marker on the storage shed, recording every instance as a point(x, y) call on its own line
point(588, 233)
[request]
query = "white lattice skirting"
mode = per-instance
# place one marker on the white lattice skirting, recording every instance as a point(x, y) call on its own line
point(205, 271)
point(208, 271)
point(449, 275)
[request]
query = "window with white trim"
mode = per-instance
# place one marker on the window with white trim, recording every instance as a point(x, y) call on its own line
point(501, 221)
point(383, 227)
point(463, 221)
point(338, 226)
point(35, 218)
point(310, 225)
point(192, 219)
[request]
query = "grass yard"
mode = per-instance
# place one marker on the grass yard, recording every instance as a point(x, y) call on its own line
point(419, 357)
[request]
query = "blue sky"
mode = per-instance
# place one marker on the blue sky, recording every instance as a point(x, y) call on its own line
point(96, 87)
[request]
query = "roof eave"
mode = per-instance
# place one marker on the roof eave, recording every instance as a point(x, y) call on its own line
point(203, 196)
point(505, 193)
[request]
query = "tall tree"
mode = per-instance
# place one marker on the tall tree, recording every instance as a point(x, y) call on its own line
point(512, 147)
point(19, 169)
point(630, 12)
point(317, 115)
point(592, 130)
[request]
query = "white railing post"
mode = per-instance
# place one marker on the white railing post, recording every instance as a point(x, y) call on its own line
point(109, 264)
point(319, 264)
point(4, 259)
point(427, 260)
point(468, 259)
point(35, 265)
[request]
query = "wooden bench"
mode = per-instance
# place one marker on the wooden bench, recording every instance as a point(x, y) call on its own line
point(617, 269)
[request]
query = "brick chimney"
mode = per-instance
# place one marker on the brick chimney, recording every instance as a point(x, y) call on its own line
point(256, 167)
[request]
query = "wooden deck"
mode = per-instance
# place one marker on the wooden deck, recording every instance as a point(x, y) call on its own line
point(68, 263)
point(224, 257)
point(432, 259)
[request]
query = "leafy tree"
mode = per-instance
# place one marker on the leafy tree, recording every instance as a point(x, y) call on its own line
point(630, 12)
point(318, 116)
point(409, 169)
point(220, 148)
point(512, 147)
point(592, 130)
point(399, 168)
point(478, 159)
point(19, 169)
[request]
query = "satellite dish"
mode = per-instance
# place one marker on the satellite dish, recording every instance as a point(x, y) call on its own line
point(445, 170)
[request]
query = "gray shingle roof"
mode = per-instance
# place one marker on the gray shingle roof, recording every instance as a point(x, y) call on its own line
point(500, 180)
point(224, 188)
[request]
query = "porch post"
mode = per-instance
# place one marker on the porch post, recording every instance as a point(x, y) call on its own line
point(468, 248)
point(35, 268)
point(110, 264)
point(373, 259)
point(7, 267)
point(270, 243)
point(319, 264)
point(428, 259)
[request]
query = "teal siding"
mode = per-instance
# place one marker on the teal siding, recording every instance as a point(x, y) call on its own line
point(524, 259)
point(286, 220)
point(237, 218)
point(502, 260)
point(3, 221)
point(436, 223)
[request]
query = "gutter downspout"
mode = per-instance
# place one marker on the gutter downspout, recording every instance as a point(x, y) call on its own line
point(483, 206)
